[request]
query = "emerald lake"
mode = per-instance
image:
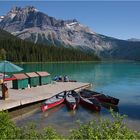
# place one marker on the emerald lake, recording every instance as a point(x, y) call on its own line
point(117, 79)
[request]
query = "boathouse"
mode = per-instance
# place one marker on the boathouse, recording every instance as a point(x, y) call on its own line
point(20, 82)
point(33, 79)
point(44, 77)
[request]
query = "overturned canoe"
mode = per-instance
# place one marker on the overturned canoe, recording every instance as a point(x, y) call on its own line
point(101, 97)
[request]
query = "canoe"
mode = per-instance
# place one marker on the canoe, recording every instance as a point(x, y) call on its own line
point(72, 99)
point(53, 101)
point(101, 97)
point(91, 103)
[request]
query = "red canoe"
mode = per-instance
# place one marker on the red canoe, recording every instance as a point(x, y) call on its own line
point(53, 101)
point(91, 103)
point(101, 97)
point(72, 99)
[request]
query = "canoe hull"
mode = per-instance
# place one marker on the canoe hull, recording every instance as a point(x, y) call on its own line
point(92, 106)
point(72, 100)
point(108, 100)
point(53, 101)
point(71, 106)
point(49, 106)
point(101, 97)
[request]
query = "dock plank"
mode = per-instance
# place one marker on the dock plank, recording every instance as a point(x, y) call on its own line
point(39, 93)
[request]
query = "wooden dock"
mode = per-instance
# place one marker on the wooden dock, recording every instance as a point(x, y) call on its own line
point(22, 97)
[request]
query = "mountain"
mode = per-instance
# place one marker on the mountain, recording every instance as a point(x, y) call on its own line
point(5, 35)
point(134, 39)
point(18, 50)
point(30, 24)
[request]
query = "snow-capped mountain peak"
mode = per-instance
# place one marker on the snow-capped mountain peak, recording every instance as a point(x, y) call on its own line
point(20, 9)
point(72, 25)
point(30, 24)
point(1, 18)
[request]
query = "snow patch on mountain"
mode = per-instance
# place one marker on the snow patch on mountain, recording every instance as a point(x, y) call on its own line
point(1, 18)
point(12, 15)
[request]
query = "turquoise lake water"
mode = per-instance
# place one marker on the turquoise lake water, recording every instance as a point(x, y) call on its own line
point(117, 79)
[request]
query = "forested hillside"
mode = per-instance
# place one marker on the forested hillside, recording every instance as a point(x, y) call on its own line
point(22, 51)
point(31, 24)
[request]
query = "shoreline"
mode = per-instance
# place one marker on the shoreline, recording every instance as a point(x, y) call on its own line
point(24, 113)
point(102, 61)
point(56, 62)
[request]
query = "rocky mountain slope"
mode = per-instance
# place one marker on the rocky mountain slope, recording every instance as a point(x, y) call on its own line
point(18, 50)
point(30, 24)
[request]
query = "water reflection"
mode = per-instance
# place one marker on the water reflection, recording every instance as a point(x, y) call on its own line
point(52, 111)
point(110, 107)
point(132, 110)
point(59, 117)
point(117, 79)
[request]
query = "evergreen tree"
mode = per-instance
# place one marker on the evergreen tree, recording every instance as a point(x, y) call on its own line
point(15, 49)
point(2, 54)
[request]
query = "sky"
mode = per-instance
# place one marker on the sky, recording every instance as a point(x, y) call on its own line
point(119, 19)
